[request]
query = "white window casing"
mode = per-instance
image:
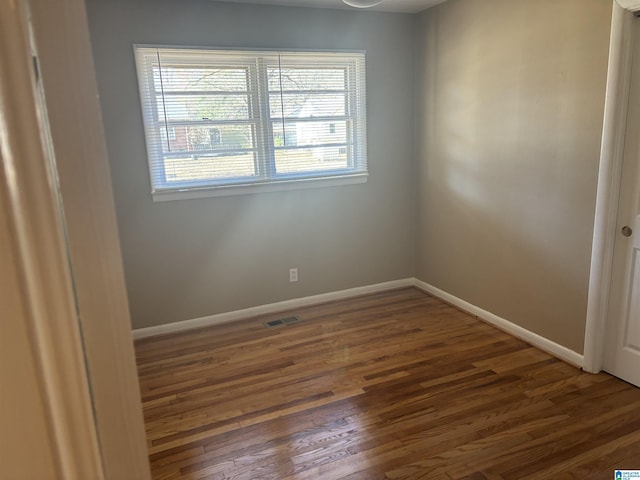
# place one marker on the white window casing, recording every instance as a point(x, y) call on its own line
point(220, 122)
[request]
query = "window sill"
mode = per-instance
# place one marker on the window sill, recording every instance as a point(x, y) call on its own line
point(222, 191)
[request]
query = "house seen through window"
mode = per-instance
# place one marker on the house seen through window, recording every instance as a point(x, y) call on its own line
point(216, 120)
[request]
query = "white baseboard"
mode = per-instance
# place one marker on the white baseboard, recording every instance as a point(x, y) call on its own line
point(538, 341)
point(269, 308)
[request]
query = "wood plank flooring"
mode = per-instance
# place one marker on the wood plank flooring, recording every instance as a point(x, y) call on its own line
point(396, 385)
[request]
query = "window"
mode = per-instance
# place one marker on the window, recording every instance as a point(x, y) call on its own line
point(226, 121)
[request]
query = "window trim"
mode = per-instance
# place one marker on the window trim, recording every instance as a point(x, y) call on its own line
point(239, 189)
point(269, 182)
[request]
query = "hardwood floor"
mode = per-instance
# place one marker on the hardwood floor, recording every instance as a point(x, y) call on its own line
point(395, 385)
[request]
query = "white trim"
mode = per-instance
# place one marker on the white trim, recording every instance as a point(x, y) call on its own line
point(173, 46)
point(73, 110)
point(538, 341)
point(35, 224)
point(534, 339)
point(226, 190)
point(604, 232)
point(227, 317)
point(633, 5)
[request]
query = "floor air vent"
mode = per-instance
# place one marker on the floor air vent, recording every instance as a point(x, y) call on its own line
point(281, 321)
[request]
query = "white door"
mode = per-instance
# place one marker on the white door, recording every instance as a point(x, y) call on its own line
point(622, 347)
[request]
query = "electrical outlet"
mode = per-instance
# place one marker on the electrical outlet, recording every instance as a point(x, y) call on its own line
point(293, 275)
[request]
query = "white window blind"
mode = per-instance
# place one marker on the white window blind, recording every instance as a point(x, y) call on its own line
point(219, 119)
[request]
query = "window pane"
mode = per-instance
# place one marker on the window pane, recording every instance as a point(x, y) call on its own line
point(306, 105)
point(203, 107)
point(196, 138)
point(202, 79)
point(306, 78)
point(209, 167)
point(233, 117)
point(312, 159)
point(309, 133)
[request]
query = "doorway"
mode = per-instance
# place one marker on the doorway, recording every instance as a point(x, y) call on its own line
point(622, 336)
point(611, 307)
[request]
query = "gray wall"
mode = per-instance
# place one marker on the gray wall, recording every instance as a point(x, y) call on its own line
point(191, 258)
point(510, 98)
point(482, 183)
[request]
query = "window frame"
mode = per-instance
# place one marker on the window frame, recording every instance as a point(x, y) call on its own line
point(257, 62)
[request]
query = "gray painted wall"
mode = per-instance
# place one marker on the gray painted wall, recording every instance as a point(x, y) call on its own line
point(482, 183)
point(192, 258)
point(510, 98)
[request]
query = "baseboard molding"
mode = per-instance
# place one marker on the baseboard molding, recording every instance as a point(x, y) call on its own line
point(563, 353)
point(538, 341)
point(269, 308)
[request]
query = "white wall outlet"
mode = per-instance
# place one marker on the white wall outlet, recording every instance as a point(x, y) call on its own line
point(293, 274)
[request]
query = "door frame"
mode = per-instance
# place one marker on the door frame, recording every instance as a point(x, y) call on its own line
point(43, 283)
point(55, 183)
point(84, 184)
point(609, 175)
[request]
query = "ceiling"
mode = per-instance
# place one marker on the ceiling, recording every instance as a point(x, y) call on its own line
point(404, 6)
